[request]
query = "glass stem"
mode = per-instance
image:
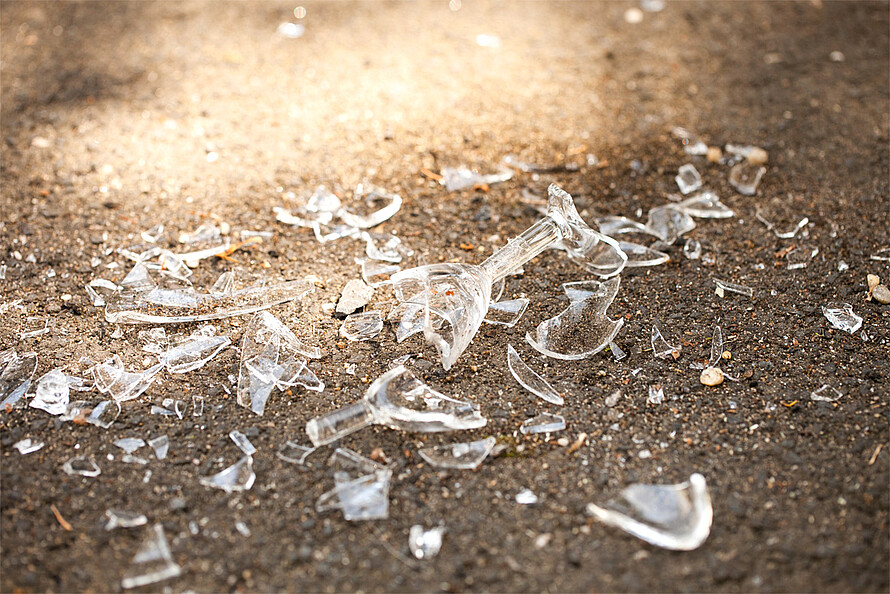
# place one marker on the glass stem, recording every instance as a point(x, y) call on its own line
point(521, 249)
point(339, 423)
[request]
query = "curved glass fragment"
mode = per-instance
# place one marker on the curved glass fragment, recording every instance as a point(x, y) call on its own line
point(459, 456)
point(705, 205)
point(16, 374)
point(386, 206)
point(668, 223)
point(506, 313)
point(362, 326)
point(660, 346)
point(530, 380)
point(543, 423)
point(237, 477)
point(639, 256)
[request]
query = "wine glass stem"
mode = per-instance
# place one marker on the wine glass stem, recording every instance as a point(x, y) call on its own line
point(521, 249)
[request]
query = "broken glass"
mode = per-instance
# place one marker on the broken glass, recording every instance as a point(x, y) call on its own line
point(129, 444)
point(160, 445)
point(237, 477)
point(882, 255)
point(745, 177)
point(460, 178)
point(801, 224)
point(423, 543)
point(205, 232)
point(506, 313)
point(668, 223)
point(110, 377)
point(362, 326)
point(323, 200)
point(361, 487)
point(388, 252)
point(15, 379)
point(153, 235)
point(800, 256)
point(104, 414)
point(705, 205)
point(615, 225)
point(377, 274)
point(726, 286)
point(153, 562)
point(193, 352)
point(692, 249)
point(656, 394)
point(530, 380)
point(173, 266)
point(52, 393)
point(691, 143)
point(639, 256)
point(543, 423)
point(27, 446)
point(676, 517)
point(153, 341)
point(459, 294)
point(617, 352)
point(81, 466)
point(660, 347)
point(386, 206)
point(526, 497)
point(397, 400)
point(294, 453)
point(688, 179)
point(514, 162)
point(118, 518)
point(583, 329)
point(197, 405)
point(826, 393)
point(243, 443)
point(458, 456)
point(841, 316)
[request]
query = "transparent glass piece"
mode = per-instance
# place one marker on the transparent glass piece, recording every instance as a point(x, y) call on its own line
point(81, 466)
point(15, 378)
point(882, 255)
point(656, 394)
point(138, 280)
point(294, 453)
point(387, 252)
point(173, 266)
point(617, 353)
point(691, 143)
point(160, 445)
point(705, 205)
point(356, 294)
point(826, 393)
point(397, 400)
point(243, 443)
point(583, 329)
point(530, 380)
point(338, 232)
point(378, 208)
point(688, 179)
point(411, 320)
point(118, 518)
point(526, 497)
point(615, 225)
point(660, 346)
point(197, 406)
point(639, 256)
point(350, 369)
point(130, 459)
point(111, 377)
point(676, 517)
point(460, 178)
point(193, 353)
point(745, 177)
point(458, 456)
point(153, 341)
point(459, 294)
point(543, 423)
point(360, 499)
point(506, 313)
point(362, 326)
point(52, 393)
point(104, 414)
point(301, 376)
point(27, 446)
point(237, 477)
point(841, 316)
point(153, 235)
point(323, 200)
point(723, 285)
point(668, 223)
point(513, 162)
point(692, 249)
point(800, 257)
point(129, 444)
point(425, 544)
point(204, 233)
point(153, 562)
point(377, 274)
point(716, 347)
point(282, 215)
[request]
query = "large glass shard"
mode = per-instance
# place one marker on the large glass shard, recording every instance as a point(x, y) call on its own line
point(745, 177)
point(660, 346)
point(460, 178)
point(15, 379)
point(506, 313)
point(543, 423)
point(459, 456)
point(237, 477)
point(379, 207)
point(153, 562)
point(530, 380)
point(688, 179)
point(362, 326)
point(639, 256)
point(398, 400)
point(668, 223)
point(110, 377)
point(361, 488)
point(705, 205)
point(52, 393)
point(841, 316)
point(676, 517)
point(460, 294)
point(583, 329)
point(423, 543)
point(377, 274)
point(193, 353)
point(118, 518)
point(81, 466)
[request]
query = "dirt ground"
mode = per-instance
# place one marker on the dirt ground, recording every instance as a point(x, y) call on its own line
point(117, 117)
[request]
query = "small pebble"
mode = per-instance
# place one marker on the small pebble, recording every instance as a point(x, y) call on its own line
point(714, 154)
point(873, 281)
point(758, 156)
point(881, 294)
point(633, 16)
point(712, 376)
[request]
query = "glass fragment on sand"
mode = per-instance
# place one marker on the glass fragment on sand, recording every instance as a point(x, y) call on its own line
point(506, 313)
point(104, 414)
point(705, 205)
point(692, 145)
point(688, 179)
point(660, 346)
point(237, 477)
point(458, 456)
point(639, 256)
point(129, 444)
point(617, 352)
point(111, 377)
point(376, 274)
point(118, 518)
point(204, 233)
point(52, 393)
point(616, 225)
point(378, 207)
point(800, 256)
point(460, 178)
point(745, 177)
point(826, 393)
point(193, 353)
point(676, 517)
point(362, 326)
point(841, 316)
point(16, 374)
point(543, 423)
point(726, 286)
point(530, 380)
point(81, 466)
point(27, 446)
point(656, 394)
point(668, 223)
point(526, 497)
point(388, 251)
point(294, 453)
point(423, 543)
point(160, 445)
point(153, 562)
point(242, 442)
point(361, 488)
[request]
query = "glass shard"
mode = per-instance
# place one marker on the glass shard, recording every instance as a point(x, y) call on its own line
point(104, 414)
point(110, 377)
point(691, 143)
point(882, 255)
point(506, 313)
point(81, 466)
point(362, 326)
point(841, 316)
point(745, 177)
point(800, 256)
point(378, 208)
point(243, 443)
point(656, 394)
point(153, 562)
point(639, 256)
point(294, 453)
point(15, 378)
point(716, 347)
point(617, 352)
point(705, 205)
point(692, 249)
point(727, 286)
point(193, 353)
point(129, 444)
point(543, 423)
point(459, 456)
point(688, 179)
point(118, 518)
point(526, 497)
point(397, 400)
point(197, 406)
point(676, 517)
point(237, 477)
point(583, 329)
point(204, 233)
point(668, 223)
point(52, 393)
point(826, 393)
point(423, 543)
point(160, 445)
point(361, 487)
point(323, 200)
point(356, 294)
point(377, 274)
point(615, 225)
point(153, 341)
point(387, 252)
point(530, 380)
point(660, 347)
point(460, 178)
point(27, 446)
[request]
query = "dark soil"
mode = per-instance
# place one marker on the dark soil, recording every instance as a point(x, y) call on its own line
point(109, 112)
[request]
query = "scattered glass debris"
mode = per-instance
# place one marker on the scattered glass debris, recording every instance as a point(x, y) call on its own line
point(705, 205)
point(458, 456)
point(194, 352)
point(691, 143)
point(81, 466)
point(514, 162)
point(461, 178)
point(639, 255)
point(841, 316)
point(153, 562)
point(124, 519)
point(398, 400)
point(692, 249)
point(506, 313)
point(423, 543)
point(800, 257)
point(688, 179)
point(711, 376)
point(361, 488)
point(52, 393)
point(726, 286)
point(243, 443)
point(530, 380)
point(376, 274)
point(543, 423)
point(356, 294)
point(656, 394)
point(160, 445)
point(237, 477)
point(660, 346)
point(668, 223)
point(129, 444)
point(350, 369)
point(27, 446)
point(617, 352)
point(745, 177)
point(615, 225)
point(294, 453)
point(391, 204)
point(526, 497)
point(15, 379)
point(583, 329)
point(110, 377)
point(104, 414)
point(826, 393)
point(676, 517)
point(362, 326)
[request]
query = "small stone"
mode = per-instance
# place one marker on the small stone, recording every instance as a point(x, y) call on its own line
point(712, 376)
point(758, 156)
point(356, 294)
point(873, 282)
point(714, 154)
point(881, 294)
